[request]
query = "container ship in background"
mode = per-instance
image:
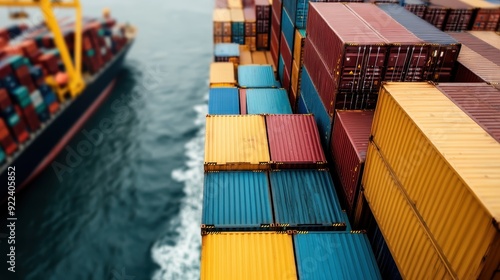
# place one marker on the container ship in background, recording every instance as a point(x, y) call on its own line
point(53, 77)
point(353, 141)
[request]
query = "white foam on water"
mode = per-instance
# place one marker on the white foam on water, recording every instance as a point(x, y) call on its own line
point(179, 256)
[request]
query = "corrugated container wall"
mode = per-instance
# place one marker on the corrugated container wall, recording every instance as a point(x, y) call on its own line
point(408, 240)
point(222, 74)
point(306, 199)
point(294, 141)
point(442, 158)
point(222, 25)
point(444, 50)
point(479, 65)
point(480, 101)
point(267, 101)
point(236, 143)
point(236, 200)
point(238, 255)
point(334, 256)
point(256, 76)
point(223, 101)
point(237, 26)
point(407, 53)
point(474, 43)
point(350, 137)
point(491, 38)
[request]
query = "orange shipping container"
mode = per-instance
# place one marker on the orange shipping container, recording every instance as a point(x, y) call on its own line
point(222, 74)
point(448, 168)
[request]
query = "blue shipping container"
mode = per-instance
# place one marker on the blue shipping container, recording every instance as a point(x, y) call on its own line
point(297, 9)
point(305, 197)
point(281, 68)
point(288, 30)
point(227, 50)
point(223, 101)
point(301, 106)
point(334, 256)
point(315, 106)
point(268, 101)
point(236, 199)
point(256, 76)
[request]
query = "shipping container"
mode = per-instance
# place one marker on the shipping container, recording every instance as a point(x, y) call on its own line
point(441, 158)
point(286, 55)
point(237, 25)
point(222, 24)
point(488, 15)
point(275, 33)
point(236, 201)
point(412, 246)
point(305, 200)
point(314, 105)
point(288, 29)
point(481, 102)
point(239, 255)
point(250, 27)
point(334, 256)
point(364, 220)
point(223, 101)
point(236, 143)
point(459, 14)
point(417, 7)
point(295, 83)
point(234, 4)
point(222, 74)
point(243, 101)
point(227, 52)
point(484, 68)
point(298, 45)
point(245, 55)
point(256, 76)
point(259, 57)
point(491, 38)
point(485, 49)
point(349, 142)
point(407, 53)
point(301, 106)
point(263, 14)
point(463, 74)
point(294, 142)
point(443, 50)
point(354, 54)
point(267, 101)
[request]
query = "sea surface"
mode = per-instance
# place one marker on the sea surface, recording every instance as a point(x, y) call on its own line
point(131, 209)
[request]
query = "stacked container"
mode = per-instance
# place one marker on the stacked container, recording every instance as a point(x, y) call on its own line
point(421, 166)
point(222, 25)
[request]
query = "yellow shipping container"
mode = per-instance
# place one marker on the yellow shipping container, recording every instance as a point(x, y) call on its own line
point(298, 45)
point(412, 247)
point(236, 142)
point(245, 55)
point(296, 70)
point(259, 57)
point(239, 255)
point(234, 4)
point(237, 15)
point(449, 169)
point(222, 74)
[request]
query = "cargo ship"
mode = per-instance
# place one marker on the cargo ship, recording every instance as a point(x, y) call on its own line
point(53, 77)
point(340, 138)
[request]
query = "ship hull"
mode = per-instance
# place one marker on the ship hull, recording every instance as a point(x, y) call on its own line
point(48, 143)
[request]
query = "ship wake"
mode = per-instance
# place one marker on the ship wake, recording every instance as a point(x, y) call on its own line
point(179, 255)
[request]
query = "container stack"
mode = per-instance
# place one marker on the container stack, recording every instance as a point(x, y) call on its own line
point(267, 192)
point(424, 165)
point(32, 74)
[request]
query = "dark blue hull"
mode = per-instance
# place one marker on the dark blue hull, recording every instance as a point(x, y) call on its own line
point(47, 143)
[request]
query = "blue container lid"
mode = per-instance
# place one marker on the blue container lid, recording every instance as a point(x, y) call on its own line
point(223, 101)
point(227, 50)
point(20, 92)
point(2, 155)
point(268, 101)
point(13, 119)
point(256, 76)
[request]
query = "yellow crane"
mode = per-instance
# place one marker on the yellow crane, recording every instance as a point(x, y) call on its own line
point(76, 84)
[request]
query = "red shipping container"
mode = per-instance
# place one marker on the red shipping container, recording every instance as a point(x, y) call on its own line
point(277, 9)
point(30, 49)
point(6, 139)
point(275, 46)
point(484, 48)
point(53, 108)
point(243, 101)
point(478, 100)
point(31, 117)
point(436, 15)
point(479, 65)
point(49, 63)
point(465, 75)
point(19, 130)
point(320, 76)
point(5, 100)
point(294, 142)
point(407, 53)
point(286, 80)
point(349, 143)
point(486, 19)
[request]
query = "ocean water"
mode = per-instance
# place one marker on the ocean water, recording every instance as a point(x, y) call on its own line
point(130, 209)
